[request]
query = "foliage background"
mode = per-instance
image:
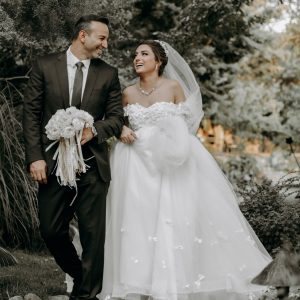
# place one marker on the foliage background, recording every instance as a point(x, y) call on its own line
point(249, 76)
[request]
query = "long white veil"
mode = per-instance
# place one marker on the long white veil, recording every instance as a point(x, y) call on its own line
point(178, 69)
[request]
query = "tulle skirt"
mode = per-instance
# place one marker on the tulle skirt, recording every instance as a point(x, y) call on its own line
point(174, 229)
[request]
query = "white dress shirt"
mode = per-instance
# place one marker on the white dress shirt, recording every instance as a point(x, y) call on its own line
point(71, 66)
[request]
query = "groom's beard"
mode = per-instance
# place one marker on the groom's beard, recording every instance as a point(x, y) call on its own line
point(100, 52)
point(96, 54)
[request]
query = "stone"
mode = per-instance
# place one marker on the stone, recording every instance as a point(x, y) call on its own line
point(58, 297)
point(16, 298)
point(31, 296)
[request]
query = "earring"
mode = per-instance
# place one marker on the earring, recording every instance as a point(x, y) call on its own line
point(156, 67)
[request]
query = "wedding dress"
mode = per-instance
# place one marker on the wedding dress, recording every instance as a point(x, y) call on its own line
point(174, 228)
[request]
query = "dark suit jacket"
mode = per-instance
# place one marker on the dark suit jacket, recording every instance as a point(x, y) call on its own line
point(48, 91)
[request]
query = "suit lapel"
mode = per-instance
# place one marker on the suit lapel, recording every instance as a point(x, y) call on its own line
point(90, 82)
point(62, 75)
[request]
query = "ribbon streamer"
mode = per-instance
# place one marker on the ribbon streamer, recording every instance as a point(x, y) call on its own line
point(69, 160)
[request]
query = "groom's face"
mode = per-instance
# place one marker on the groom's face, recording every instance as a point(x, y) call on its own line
point(95, 39)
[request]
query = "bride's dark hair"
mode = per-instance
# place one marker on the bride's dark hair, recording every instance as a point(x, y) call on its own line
point(159, 53)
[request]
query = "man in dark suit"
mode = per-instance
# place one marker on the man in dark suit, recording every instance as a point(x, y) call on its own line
point(74, 78)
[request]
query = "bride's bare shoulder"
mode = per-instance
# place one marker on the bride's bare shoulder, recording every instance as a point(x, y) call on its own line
point(129, 89)
point(128, 94)
point(172, 83)
point(176, 89)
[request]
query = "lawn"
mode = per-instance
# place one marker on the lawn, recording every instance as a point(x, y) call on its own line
point(36, 274)
point(39, 274)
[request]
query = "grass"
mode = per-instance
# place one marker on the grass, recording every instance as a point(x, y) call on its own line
point(40, 275)
point(18, 207)
point(35, 273)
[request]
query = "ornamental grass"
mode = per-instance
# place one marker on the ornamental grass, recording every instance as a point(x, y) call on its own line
point(18, 206)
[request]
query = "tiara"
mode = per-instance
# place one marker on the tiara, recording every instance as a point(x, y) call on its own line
point(164, 45)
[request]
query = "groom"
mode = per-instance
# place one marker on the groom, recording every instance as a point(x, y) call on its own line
point(74, 78)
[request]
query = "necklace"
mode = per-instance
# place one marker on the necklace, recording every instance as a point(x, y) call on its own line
point(145, 92)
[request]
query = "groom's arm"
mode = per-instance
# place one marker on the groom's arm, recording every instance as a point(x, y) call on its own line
point(114, 115)
point(32, 112)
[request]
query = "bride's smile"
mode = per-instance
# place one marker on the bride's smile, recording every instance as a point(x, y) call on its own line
point(144, 61)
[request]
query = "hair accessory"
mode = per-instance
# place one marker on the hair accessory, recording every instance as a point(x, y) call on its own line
point(164, 45)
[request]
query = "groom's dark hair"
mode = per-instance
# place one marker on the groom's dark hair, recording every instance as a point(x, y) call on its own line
point(84, 23)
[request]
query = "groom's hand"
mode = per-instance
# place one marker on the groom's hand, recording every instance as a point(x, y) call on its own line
point(87, 135)
point(38, 170)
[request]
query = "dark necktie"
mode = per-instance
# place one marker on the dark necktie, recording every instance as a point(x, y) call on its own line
point(77, 87)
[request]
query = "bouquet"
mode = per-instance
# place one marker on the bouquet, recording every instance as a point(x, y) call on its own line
point(65, 127)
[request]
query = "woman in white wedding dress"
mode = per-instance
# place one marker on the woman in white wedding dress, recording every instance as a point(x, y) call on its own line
point(174, 228)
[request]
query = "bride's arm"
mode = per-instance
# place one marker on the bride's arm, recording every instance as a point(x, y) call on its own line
point(127, 136)
point(178, 92)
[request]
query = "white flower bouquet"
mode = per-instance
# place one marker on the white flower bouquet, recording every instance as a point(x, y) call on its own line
point(65, 127)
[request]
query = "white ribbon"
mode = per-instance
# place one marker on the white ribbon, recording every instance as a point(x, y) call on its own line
point(69, 160)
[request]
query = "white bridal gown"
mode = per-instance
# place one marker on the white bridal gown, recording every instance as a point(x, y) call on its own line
point(174, 229)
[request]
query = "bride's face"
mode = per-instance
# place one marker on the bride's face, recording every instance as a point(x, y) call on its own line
point(144, 61)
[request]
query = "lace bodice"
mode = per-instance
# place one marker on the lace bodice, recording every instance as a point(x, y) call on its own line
point(140, 116)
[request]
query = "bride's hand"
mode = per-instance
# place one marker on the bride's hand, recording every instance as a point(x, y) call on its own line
point(128, 136)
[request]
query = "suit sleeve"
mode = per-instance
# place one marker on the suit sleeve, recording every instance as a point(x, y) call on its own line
point(114, 115)
point(32, 112)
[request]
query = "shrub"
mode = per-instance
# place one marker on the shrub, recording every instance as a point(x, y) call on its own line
point(273, 210)
point(240, 169)
point(18, 207)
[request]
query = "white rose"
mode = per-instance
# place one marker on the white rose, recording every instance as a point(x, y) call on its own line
point(68, 132)
point(71, 110)
point(52, 131)
point(89, 120)
point(77, 124)
point(59, 114)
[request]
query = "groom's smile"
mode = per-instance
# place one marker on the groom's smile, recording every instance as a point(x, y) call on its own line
point(95, 39)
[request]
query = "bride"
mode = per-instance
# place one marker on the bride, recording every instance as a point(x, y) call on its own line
point(174, 229)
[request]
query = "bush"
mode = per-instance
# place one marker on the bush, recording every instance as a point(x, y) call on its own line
point(18, 207)
point(240, 169)
point(273, 211)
